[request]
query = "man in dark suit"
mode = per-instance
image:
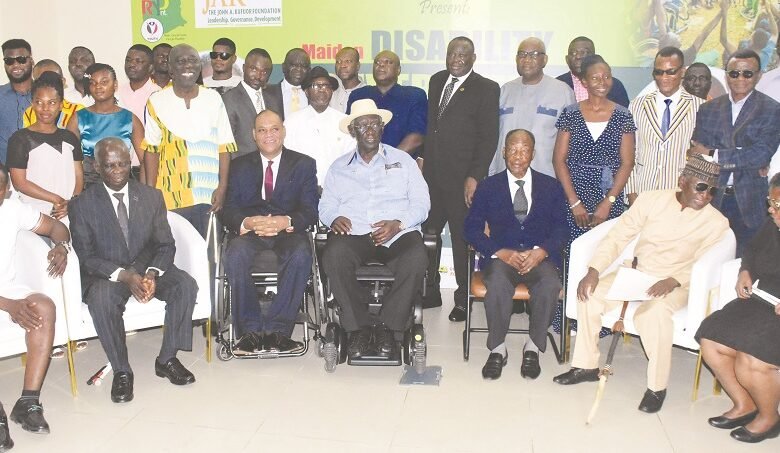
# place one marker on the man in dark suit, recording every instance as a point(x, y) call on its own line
point(526, 214)
point(740, 131)
point(250, 97)
point(272, 198)
point(121, 235)
point(579, 48)
point(461, 138)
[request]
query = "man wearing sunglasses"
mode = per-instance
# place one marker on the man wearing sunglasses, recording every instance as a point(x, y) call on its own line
point(675, 228)
point(223, 56)
point(661, 142)
point(740, 131)
point(15, 95)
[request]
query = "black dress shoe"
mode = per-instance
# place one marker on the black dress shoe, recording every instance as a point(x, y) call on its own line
point(742, 434)
point(29, 414)
point(359, 342)
point(249, 343)
point(731, 423)
point(174, 371)
point(652, 401)
point(5, 436)
point(493, 366)
point(278, 342)
point(577, 375)
point(458, 314)
point(122, 387)
point(384, 340)
point(530, 367)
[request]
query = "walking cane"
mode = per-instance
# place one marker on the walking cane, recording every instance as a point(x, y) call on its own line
point(606, 371)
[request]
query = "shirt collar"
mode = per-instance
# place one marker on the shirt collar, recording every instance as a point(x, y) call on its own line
point(123, 190)
point(382, 154)
point(526, 177)
point(675, 97)
point(249, 89)
point(276, 159)
point(742, 102)
point(461, 78)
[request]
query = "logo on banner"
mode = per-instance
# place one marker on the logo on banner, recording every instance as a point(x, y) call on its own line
point(238, 13)
point(152, 30)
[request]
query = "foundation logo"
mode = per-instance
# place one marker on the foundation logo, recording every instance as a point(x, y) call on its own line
point(152, 30)
point(160, 16)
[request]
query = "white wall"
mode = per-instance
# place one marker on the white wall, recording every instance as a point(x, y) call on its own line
point(53, 27)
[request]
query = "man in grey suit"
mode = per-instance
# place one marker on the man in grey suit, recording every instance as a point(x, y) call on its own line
point(739, 130)
point(121, 235)
point(250, 97)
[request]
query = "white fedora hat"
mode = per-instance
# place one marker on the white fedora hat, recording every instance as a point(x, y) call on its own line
point(364, 107)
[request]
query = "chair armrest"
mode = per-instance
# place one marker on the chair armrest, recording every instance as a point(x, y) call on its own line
point(728, 282)
point(706, 275)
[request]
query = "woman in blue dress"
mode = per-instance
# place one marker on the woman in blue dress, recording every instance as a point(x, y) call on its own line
point(106, 119)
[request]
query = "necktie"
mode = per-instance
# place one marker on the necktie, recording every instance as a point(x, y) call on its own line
point(121, 214)
point(520, 203)
point(259, 103)
point(268, 181)
point(666, 119)
point(445, 99)
point(296, 99)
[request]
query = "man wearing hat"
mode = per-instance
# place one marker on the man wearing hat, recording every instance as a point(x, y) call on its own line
point(675, 228)
point(314, 130)
point(374, 199)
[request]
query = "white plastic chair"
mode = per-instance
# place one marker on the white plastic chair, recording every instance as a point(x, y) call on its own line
point(705, 276)
point(191, 257)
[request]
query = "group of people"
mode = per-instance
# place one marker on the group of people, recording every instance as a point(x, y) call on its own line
point(517, 172)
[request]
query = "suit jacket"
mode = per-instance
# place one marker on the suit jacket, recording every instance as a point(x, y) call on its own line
point(743, 148)
point(295, 193)
point(617, 93)
point(463, 141)
point(659, 159)
point(545, 226)
point(98, 240)
point(241, 113)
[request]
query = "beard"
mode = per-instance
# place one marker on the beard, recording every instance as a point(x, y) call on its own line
point(22, 78)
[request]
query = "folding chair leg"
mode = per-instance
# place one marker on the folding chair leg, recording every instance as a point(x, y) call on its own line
point(72, 370)
point(24, 359)
point(208, 340)
point(696, 377)
point(716, 387)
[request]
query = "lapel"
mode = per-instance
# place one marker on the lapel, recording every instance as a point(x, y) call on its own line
point(747, 112)
point(725, 127)
point(135, 215)
point(648, 107)
point(681, 113)
point(458, 94)
point(285, 168)
point(104, 204)
point(247, 103)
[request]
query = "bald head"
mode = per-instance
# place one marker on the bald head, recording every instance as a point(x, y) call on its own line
point(108, 144)
point(531, 60)
point(113, 162)
point(387, 68)
point(184, 66)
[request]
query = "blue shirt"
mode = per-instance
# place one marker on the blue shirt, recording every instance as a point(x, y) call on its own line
point(390, 187)
point(12, 107)
point(408, 104)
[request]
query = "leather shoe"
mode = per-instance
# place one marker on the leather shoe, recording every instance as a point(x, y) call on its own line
point(493, 366)
point(458, 314)
point(278, 342)
point(174, 371)
point(29, 414)
point(248, 344)
point(731, 423)
point(384, 340)
point(742, 434)
point(652, 401)
point(122, 387)
point(577, 375)
point(359, 341)
point(530, 367)
point(5, 436)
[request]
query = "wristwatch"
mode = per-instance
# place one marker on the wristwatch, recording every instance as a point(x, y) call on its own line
point(611, 199)
point(64, 244)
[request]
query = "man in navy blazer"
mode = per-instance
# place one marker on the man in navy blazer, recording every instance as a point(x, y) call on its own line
point(271, 199)
point(740, 131)
point(525, 212)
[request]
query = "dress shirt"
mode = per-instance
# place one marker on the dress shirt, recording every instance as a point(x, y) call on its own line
point(72, 95)
point(390, 187)
point(253, 96)
point(114, 277)
point(135, 100)
point(454, 88)
point(12, 107)
point(736, 107)
point(660, 105)
point(287, 95)
point(513, 187)
point(274, 169)
point(340, 98)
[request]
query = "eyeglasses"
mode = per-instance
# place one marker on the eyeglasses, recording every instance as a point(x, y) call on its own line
point(703, 187)
point(364, 127)
point(221, 55)
point(532, 55)
point(21, 59)
point(321, 86)
point(659, 72)
point(773, 203)
point(747, 73)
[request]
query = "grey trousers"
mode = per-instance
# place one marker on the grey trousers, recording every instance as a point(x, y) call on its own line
point(500, 279)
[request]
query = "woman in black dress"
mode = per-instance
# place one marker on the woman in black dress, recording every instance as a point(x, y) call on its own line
point(741, 342)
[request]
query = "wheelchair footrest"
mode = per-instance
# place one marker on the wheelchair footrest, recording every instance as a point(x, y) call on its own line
point(376, 360)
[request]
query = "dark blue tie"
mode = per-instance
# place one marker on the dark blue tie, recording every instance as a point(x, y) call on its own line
point(667, 118)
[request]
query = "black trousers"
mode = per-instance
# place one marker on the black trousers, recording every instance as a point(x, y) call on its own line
point(406, 257)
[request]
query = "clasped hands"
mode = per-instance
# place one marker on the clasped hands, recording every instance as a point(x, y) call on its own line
point(384, 230)
point(59, 208)
point(142, 288)
point(266, 226)
point(525, 261)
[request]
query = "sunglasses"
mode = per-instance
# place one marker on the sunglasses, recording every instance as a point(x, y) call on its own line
point(703, 187)
point(773, 203)
point(221, 55)
point(660, 72)
point(747, 73)
point(21, 59)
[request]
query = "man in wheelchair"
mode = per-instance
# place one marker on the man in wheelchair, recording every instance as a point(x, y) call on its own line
point(271, 201)
point(374, 199)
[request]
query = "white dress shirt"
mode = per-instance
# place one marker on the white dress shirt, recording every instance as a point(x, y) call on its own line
point(457, 85)
point(513, 187)
point(660, 104)
point(253, 96)
point(287, 96)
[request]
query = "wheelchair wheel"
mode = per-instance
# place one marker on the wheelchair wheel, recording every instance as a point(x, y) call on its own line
point(334, 347)
point(414, 347)
point(320, 348)
point(224, 354)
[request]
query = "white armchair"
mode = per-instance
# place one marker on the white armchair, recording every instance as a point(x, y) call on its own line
point(705, 276)
point(30, 259)
point(191, 257)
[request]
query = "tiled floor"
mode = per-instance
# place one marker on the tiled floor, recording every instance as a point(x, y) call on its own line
point(294, 405)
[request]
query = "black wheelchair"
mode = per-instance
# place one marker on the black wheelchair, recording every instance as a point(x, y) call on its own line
point(376, 278)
